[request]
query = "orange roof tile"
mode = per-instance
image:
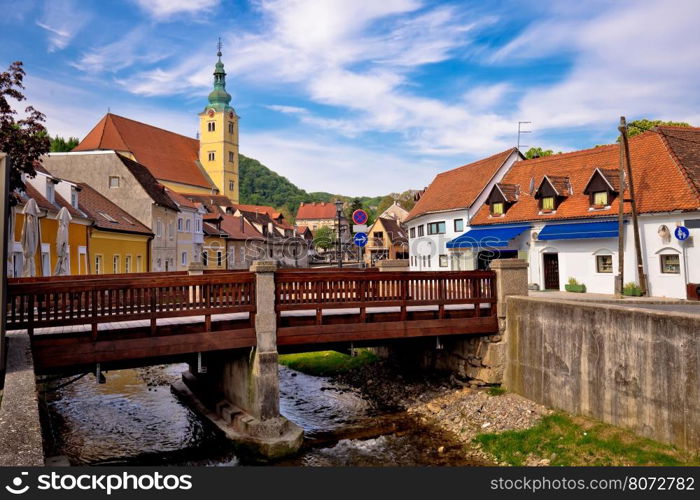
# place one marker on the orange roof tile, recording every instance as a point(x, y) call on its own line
point(459, 187)
point(659, 183)
point(316, 210)
point(167, 155)
point(107, 215)
point(684, 145)
point(237, 228)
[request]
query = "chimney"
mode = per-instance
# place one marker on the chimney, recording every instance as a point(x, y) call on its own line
point(242, 225)
point(301, 204)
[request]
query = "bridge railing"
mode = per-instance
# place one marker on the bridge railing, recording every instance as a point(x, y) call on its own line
point(343, 289)
point(50, 303)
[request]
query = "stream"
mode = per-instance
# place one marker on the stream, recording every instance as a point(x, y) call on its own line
point(135, 419)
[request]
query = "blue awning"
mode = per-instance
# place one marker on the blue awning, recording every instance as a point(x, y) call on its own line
point(579, 231)
point(487, 237)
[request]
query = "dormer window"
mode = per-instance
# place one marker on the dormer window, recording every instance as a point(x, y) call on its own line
point(602, 188)
point(600, 198)
point(497, 208)
point(548, 203)
point(74, 197)
point(501, 198)
point(552, 191)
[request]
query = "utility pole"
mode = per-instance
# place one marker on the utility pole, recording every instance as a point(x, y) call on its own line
point(339, 214)
point(637, 245)
point(620, 278)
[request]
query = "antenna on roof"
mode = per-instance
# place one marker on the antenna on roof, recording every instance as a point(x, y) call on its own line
point(532, 185)
point(107, 109)
point(521, 131)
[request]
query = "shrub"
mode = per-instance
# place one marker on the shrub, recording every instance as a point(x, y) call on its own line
point(632, 289)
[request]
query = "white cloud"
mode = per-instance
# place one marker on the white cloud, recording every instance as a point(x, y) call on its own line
point(62, 19)
point(165, 9)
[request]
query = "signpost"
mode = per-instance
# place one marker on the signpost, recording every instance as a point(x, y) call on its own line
point(682, 233)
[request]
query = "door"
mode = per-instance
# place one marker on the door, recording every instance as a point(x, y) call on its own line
point(551, 271)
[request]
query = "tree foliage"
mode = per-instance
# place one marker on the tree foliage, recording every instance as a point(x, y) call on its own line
point(324, 237)
point(24, 140)
point(405, 199)
point(637, 127)
point(537, 151)
point(61, 145)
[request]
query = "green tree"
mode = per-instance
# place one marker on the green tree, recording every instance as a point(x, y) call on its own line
point(61, 145)
point(24, 140)
point(534, 152)
point(640, 126)
point(355, 204)
point(324, 237)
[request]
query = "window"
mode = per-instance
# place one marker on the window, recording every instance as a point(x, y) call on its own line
point(443, 260)
point(211, 126)
point(198, 224)
point(205, 258)
point(183, 258)
point(232, 255)
point(230, 156)
point(98, 264)
point(600, 198)
point(50, 191)
point(159, 229)
point(170, 230)
point(188, 226)
point(115, 264)
point(670, 264)
point(113, 181)
point(604, 263)
point(497, 208)
point(436, 227)
point(548, 203)
point(159, 265)
point(230, 185)
point(413, 232)
point(420, 230)
point(211, 155)
point(127, 264)
point(74, 197)
point(45, 263)
point(429, 264)
point(230, 127)
point(179, 224)
point(138, 264)
point(108, 217)
point(219, 258)
point(167, 265)
point(423, 260)
point(459, 225)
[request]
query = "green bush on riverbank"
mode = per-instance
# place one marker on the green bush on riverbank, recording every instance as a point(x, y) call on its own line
point(565, 440)
point(326, 363)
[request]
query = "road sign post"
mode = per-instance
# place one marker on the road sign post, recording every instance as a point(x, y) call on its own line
point(681, 233)
point(359, 216)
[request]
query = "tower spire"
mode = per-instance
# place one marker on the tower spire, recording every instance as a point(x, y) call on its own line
point(219, 99)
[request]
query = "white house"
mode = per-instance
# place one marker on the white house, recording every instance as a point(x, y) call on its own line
point(446, 208)
point(560, 213)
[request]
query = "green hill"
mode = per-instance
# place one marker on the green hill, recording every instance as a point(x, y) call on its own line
point(261, 186)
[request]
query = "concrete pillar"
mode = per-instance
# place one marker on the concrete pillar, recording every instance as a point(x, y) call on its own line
point(238, 390)
point(195, 268)
point(393, 265)
point(482, 359)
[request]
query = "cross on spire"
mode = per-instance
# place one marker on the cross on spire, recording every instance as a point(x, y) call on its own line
point(218, 45)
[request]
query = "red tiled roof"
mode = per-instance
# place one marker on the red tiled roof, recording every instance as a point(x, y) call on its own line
point(316, 210)
point(684, 145)
point(659, 183)
point(114, 219)
point(266, 209)
point(459, 187)
point(43, 203)
point(237, 228)
point(180, 200)
point(167, 155)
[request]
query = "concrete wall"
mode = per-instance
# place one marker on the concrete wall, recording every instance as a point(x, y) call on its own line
point(628, 367)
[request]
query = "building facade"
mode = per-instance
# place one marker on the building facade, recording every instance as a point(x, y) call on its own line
point(446, 208)
point(387, 239)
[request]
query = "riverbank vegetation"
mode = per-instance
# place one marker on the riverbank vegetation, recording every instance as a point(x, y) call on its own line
point(327, 363)
point(561, 439)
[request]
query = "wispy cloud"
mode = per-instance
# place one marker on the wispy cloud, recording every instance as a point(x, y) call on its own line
point(166, 9)
point(62, 19)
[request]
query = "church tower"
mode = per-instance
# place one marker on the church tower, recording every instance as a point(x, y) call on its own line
point(218, 136)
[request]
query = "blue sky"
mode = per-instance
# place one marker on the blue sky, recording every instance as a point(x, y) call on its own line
point(363, 97)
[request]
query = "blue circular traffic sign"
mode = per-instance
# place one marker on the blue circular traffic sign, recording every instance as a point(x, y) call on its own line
point(359, 216)
point(360, 239)
point(682, 233)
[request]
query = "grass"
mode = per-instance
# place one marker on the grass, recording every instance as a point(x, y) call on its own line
point(496, 391)
point(576, 441)
point(327, 363)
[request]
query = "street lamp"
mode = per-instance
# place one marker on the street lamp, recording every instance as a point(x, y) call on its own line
point(339, 213)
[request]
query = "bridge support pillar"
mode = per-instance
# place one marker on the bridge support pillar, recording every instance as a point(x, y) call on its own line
point(240, 390)
point(483, 359)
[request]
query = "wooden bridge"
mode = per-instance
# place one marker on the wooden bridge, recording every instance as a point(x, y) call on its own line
point(136, 319)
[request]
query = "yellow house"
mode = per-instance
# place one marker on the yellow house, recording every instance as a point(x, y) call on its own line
point(47, 253)
point(387, 240)
point(117, 242)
